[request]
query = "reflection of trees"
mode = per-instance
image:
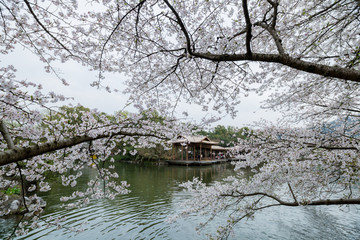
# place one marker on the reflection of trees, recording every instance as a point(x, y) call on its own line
point(150, 182)
point(207, 173)
point(147, 182)
point(151, 186)
point(58, 190)
point(52, 197)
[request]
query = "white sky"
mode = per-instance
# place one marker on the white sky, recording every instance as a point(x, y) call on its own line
point(79, 78)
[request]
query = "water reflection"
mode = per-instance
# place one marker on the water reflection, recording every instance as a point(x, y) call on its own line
point(155, 195)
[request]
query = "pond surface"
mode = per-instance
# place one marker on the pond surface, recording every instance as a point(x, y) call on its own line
point(155, 195)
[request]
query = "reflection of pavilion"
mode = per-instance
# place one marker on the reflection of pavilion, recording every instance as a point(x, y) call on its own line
point(197, 150)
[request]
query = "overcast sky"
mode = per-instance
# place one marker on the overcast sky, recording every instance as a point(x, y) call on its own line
point(79, 78)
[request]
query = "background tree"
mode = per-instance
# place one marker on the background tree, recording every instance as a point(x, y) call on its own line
point(226, 136)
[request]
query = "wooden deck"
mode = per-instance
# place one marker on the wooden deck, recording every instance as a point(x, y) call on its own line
point(197, 163)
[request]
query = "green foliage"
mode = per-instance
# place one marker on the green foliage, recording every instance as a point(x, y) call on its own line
point(154, 154)
point(226, 136)
point(127, 156)
point(73, 116)
point(11, 191)
point(153, 115)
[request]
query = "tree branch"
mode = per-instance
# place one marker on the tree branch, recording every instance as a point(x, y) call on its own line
point(248, 28)
point(282, 58)
point(292, 193)
point(275, 6)
point(139, 5)
point(286, 60)
point(333, 202)
point(22, 153)
point(182, 26)
point(339, 201)
point(44, 28)
point(274, 35)
point(4, 131)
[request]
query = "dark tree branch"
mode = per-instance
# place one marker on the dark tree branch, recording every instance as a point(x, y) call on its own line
point(16, 227)
point(334, 202)
point(286, 60)
point(45, 29)
point(325, 10)
point(275, 5)
point(182, 26)
point(4, 24)
point(5, 133)
point(237, 34)
point(22, 153)
point(22, 187)
point(326, 107)
point(172, 71)
point(292, 193)
point(114, 30)
point(332, 147)
point(137, 22)
point(282, 58)
point(339, 201)
point(274, 35)
point(119, 23)
point(307, 144)
point(248, 28)
point(213, 76)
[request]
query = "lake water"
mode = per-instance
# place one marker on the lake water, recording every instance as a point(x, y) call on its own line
point(155, 195)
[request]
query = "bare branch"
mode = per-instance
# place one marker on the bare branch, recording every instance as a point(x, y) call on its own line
point(237, 34)
point(292, 193)
point(113, 31)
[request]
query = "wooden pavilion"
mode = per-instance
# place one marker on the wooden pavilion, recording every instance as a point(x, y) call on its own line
point(196, 148)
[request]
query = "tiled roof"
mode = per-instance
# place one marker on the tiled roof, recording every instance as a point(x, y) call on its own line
point(219, 148)
point(194, 139)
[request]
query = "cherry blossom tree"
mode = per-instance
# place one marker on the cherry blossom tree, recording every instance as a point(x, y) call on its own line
point(38, 140)
point(210, 53)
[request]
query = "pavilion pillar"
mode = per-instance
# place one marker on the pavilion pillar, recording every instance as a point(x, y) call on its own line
point(194, 153)
point(200, 152)
point(187, 152)
point(172, 152)
point(182, 152)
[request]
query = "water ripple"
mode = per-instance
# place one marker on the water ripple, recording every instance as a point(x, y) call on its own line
point(155, 195)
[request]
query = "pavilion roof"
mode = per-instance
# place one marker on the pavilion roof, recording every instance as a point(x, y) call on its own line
point(194, 139)
point(220, 148)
